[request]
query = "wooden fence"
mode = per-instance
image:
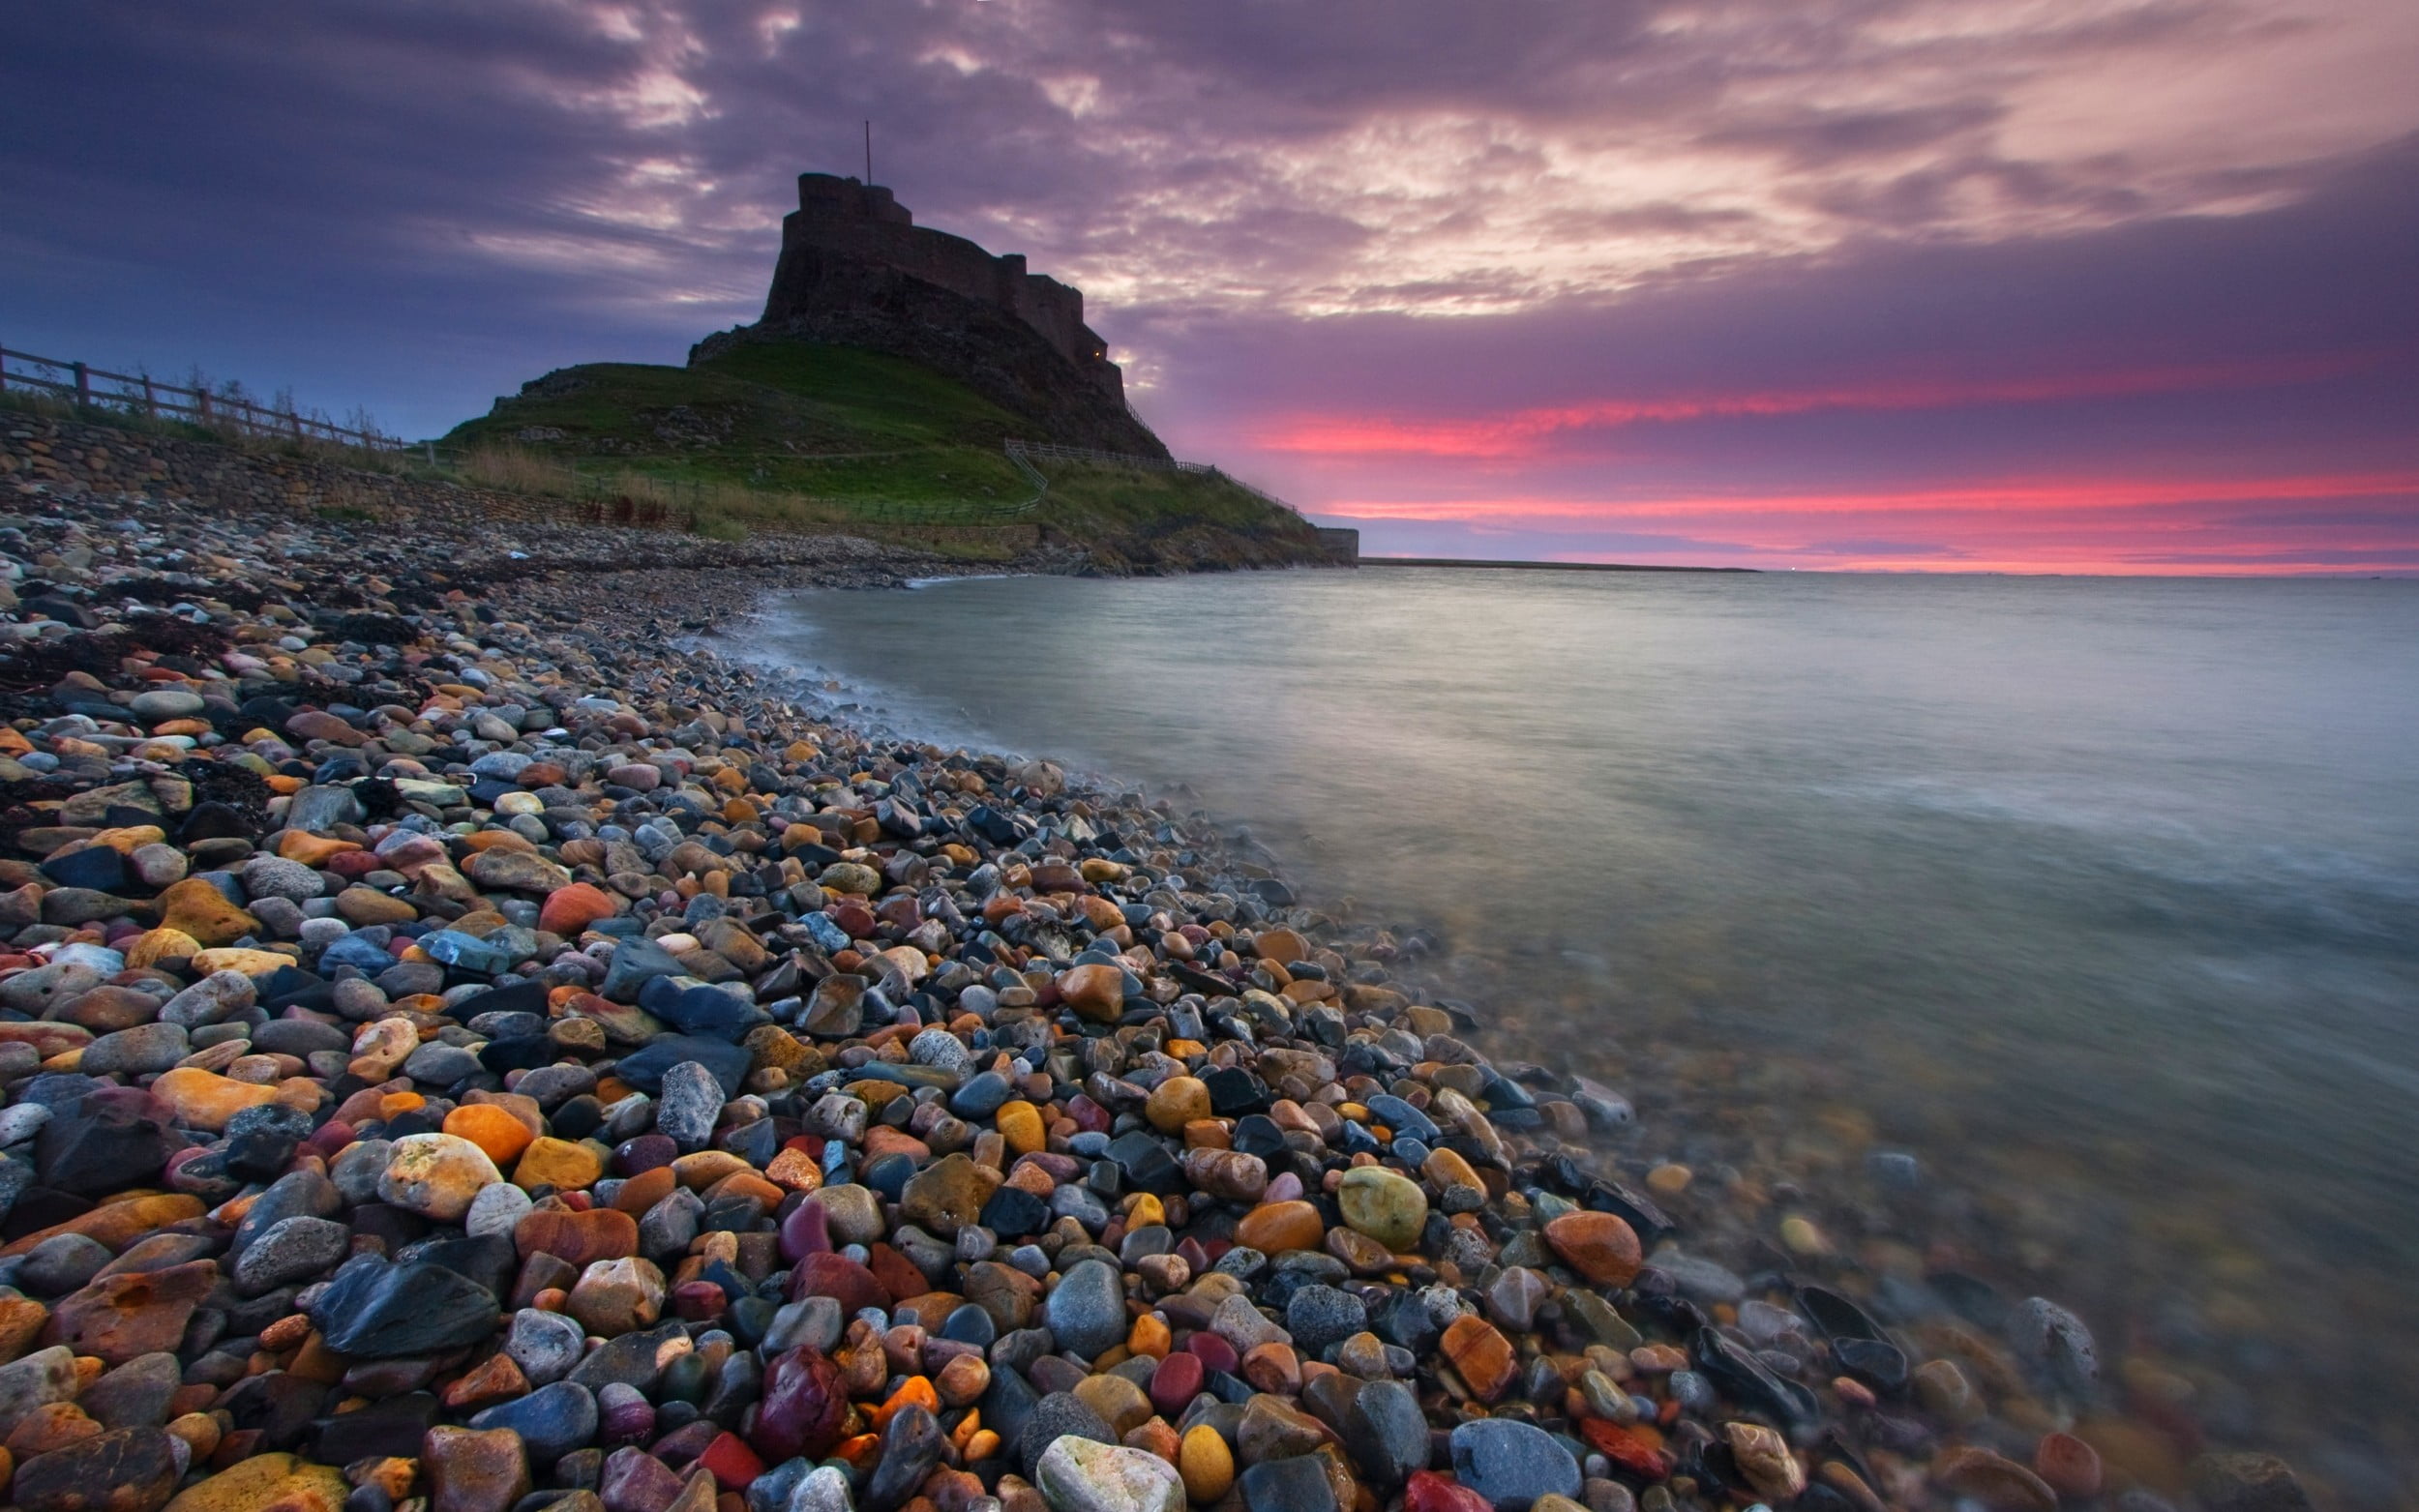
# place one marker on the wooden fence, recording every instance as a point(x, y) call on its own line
point(88, 387)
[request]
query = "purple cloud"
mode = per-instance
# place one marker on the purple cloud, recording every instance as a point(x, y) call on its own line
point(1415, 210)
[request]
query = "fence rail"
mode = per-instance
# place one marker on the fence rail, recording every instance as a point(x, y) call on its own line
point(139, 394)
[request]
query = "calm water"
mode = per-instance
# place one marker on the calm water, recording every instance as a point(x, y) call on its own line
point(2101, 897)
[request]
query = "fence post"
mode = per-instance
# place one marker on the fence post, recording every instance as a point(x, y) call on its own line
point(83, 384)
point(431, 453)
point(151, 400)
point(201, 399)
point(294, 423)
point(4, 369)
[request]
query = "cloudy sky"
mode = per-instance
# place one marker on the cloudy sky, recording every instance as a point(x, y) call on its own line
point(2121, 285)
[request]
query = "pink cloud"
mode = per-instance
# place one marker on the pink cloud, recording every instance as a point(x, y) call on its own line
point(1527, 432)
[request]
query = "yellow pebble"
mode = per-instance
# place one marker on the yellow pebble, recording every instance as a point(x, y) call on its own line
point(1206, 1465)
point(1803, 1237)
point(1020, 1124)
point(1669, 1180)
point(1145, 1212)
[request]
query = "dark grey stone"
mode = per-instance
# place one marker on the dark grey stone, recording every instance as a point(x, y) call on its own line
point(374, 1310)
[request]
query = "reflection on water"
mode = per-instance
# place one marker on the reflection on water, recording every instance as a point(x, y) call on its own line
point(2101, 897)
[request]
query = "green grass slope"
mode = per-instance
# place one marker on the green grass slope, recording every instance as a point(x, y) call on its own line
point(794, 435)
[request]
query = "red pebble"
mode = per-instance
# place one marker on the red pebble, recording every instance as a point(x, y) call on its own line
point(1430, 1492)
point(848, 1282)
point(1177, 1381)
point(698, 1301)
point(896, 1273)
point(1626, 1452)
point(2069, 1466)
point(854, 918)
point(734, 1465)
point(805, 1406)
point(1214, 1352)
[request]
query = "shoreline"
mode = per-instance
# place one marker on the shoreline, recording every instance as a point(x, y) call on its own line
point(1142, 1159)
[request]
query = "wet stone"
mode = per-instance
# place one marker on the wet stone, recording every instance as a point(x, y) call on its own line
point(377, 1310)
point(1052, 1418)
point(1297, 1484)
point(552, 1421)
point(1511, 1463)
point(691, 1102)
point(1086, 1313)
point(1385, 1433)
point(129, 1469)
point(1079, 1475)
point(1321, 1315)
point(295, 1249)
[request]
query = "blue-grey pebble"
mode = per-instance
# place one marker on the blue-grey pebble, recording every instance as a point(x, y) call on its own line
point(1511, 1463)
point(552, 1421)
point(1087, 1312)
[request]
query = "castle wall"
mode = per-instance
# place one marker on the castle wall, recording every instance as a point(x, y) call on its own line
point(840, 215)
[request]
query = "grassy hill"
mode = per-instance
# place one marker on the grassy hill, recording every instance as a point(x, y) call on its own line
point(789, 436)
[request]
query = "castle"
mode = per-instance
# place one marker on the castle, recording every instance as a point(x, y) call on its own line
point(855, 270)
point(842, 216)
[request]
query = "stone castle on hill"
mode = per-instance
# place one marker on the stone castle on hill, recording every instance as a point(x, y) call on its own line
point(855, 270)
point(842, 218)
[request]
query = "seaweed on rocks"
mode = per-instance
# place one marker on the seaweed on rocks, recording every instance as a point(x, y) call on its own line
point(26, 666)
point(240, 596)
point(368, 628)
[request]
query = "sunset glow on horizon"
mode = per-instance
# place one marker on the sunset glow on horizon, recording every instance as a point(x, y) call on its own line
point(2123, 526)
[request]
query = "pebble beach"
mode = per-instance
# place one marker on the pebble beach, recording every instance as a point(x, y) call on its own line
point(469, 1048)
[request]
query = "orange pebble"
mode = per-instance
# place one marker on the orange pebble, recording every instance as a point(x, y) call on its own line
point(1149, 1336)
point(915, 1391)
point(312, 850)
point(491, 1128)
point(859, 1451)
point(964, 1434)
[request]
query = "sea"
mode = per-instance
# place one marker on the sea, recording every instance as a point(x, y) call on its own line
point(2060, 931)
